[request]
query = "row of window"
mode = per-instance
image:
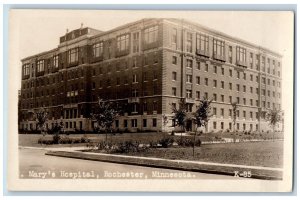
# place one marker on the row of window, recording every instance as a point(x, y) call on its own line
point(230, 126)
point(205, 66)
point(189, 94)
point(202, 48)
point(189, 79)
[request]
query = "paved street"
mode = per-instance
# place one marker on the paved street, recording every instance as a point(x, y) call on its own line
point(35, 164)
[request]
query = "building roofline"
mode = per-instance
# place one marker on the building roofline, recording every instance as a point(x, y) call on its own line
point(177, 20)
point(226, 36)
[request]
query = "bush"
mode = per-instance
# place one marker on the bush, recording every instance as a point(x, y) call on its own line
point(84, 139)
point(166, 142)
point(56, 139)
point(127, 146)
point(187, 142)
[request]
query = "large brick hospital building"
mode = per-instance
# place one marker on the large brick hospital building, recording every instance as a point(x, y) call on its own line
point(147, 66)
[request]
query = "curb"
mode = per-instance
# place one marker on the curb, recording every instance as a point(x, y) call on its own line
point(264, 174)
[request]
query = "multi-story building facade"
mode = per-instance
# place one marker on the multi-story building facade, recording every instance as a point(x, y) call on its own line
point(146, 67)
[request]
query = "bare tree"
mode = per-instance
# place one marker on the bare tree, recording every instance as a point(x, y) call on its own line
point(41, 119)
point(273, 117)
point(201, 116)
point(105, 114)
point(234, 111)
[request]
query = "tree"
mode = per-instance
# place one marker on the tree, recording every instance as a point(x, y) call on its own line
point(105, 114)
point(273, 117)
point(234, 111)
point(201, 116)
point(41, 119)
point(180, 115)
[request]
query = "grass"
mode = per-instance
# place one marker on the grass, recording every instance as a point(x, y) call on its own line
point(266, 154)
point(145, 138)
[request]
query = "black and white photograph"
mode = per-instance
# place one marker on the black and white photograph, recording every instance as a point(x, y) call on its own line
point(137, 100)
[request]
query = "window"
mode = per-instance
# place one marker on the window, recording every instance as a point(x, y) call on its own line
point(135, 93)
point(215, 69)
point(189, 41)
point(26, 69)
point(118, 80)
point(237, 74)
point(214, 111)
point(244, 101)
point(237, 87)
point(198, 80)
point(206, 67)
point(123, 42)
point(145, 107)
point(215, 83)
point(251, 60)
point(136, 42)
point(198, 65)
point(230, 54)
point(222, 84)
point(245, 76)
point(263, 64)
point(174, 60)
point(174, 76)
point(230, 112)
point(198, 94)
point(155, 106)
point(230, 72)
point(154, 122)
point(222, 97)
point(244, 88)
point(145, 76)
point(240, 54)
point(251, 89)
point(251, 77)
point(174, 38)
point(215, 97)
point(97, 49)
point(40, 66)
point(202, 43)
point(73, 55)
point(151, 35)
point(55, 61)
point(230, 86)
point(219, 48)
point(222, 70)
point(238, 100)
point(134, 78)
point(206, 81)
point(189, 93)
point(251, 102)
point(206, 95)
point(174, 91)
point(189, 78)
point(222, 112)
point(215, 125)
point(134, 123)
point(189, 63)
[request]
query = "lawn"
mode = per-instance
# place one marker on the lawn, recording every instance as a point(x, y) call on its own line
point(266, 154)
point(145, 138)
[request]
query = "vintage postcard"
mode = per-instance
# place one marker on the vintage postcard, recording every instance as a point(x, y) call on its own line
point(116, 100)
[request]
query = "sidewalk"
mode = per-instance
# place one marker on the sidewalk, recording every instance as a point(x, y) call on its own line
point(258, 172)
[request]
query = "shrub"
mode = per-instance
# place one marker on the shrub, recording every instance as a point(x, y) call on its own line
point(84, 139)
point(127, 146)
point(56, 139)
point(166, 142)
point(187, 142)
